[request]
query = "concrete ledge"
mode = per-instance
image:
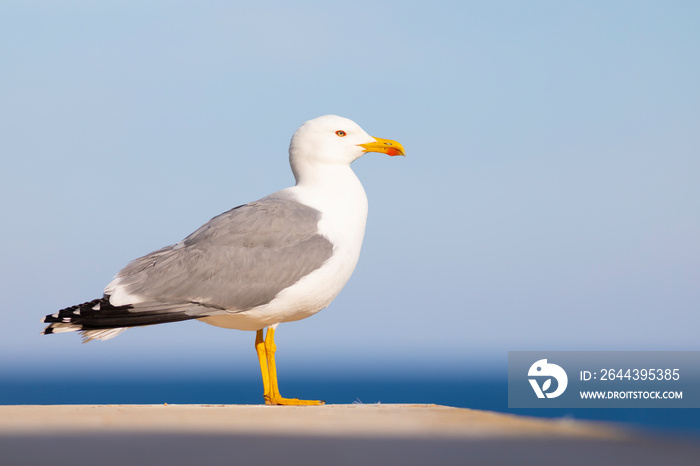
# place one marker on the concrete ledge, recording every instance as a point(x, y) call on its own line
point(330, 434)
point(338, 420)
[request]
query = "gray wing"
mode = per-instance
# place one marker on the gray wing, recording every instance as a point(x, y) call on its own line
point(238, 260)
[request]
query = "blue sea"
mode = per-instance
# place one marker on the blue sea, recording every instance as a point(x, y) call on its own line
point(486, 393)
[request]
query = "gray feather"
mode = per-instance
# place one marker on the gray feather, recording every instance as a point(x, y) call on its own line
point(238, 260)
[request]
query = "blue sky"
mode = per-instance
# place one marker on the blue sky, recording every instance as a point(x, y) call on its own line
point(549, 197)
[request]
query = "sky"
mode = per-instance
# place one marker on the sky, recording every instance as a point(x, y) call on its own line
point(548, 200)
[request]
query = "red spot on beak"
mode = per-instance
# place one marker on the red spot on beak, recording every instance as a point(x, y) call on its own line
point(391, 151)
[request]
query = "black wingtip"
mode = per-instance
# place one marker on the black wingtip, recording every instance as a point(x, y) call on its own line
point(100, 314)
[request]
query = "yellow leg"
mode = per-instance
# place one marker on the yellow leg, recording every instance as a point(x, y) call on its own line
point(266, 356)
point(262, 359)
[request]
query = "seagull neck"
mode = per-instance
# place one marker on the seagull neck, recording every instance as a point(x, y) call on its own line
point(333, 188)
point(327, 178)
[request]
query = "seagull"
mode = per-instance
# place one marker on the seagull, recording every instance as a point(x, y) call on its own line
point(279, 259)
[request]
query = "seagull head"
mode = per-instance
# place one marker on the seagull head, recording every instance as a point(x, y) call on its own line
point(334, 140)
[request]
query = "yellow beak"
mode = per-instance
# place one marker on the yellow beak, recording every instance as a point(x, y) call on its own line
point(384, 146)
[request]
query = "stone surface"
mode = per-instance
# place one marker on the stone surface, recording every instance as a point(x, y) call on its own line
point(330, 434)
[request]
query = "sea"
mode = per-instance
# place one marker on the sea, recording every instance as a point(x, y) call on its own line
point(483, 393)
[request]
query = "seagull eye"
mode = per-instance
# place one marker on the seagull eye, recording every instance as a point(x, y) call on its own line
point(340, 133)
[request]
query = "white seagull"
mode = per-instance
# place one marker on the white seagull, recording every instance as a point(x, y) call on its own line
point(279, 259)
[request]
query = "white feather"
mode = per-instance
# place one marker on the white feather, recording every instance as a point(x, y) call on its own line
point(103, 334)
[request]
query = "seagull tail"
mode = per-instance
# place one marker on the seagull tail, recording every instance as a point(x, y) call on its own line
point(100, 320)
